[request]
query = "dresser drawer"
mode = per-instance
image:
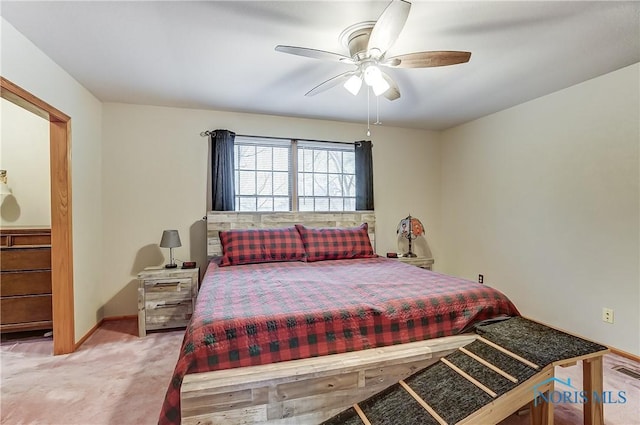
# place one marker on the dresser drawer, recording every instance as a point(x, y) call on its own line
point(25, 258)
point(22, 237)
point(26, 239)
point(33, 308)
point(25, 283)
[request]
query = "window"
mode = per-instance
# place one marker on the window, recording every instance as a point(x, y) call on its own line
point(291, 175)
point(263, 179)
point(326, 177)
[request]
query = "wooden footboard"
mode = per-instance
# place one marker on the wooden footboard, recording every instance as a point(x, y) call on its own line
point(305, 391)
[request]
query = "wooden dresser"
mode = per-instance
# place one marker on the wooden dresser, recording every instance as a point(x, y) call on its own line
point(25, 279)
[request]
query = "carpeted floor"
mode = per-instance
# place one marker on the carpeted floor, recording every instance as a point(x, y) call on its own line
point(114, 378)
point(118, 378)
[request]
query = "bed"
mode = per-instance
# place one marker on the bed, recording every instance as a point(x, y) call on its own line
point(298, 341)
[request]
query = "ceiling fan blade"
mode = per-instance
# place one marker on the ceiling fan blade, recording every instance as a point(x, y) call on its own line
point(330, 83)
point(387, 29)
point(427, 59)
point(314, 53)
point(393, 92)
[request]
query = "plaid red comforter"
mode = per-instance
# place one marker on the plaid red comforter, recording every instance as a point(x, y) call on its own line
point(272, 312)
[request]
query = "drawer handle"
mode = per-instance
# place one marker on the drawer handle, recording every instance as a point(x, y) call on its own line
point(167, 283)
point(169, 304)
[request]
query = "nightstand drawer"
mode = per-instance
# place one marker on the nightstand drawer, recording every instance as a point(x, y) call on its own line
point(168, 314)
point(151, 299)
point(167, 285)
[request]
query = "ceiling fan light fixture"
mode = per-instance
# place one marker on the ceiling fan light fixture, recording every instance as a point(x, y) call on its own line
point(353, 84)
point(380, 86)
point(372, 75)
point(374, 79)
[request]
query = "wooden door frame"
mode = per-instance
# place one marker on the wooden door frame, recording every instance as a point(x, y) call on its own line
point(61, 224)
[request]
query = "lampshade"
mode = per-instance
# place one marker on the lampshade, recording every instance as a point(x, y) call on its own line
point(170, 239)
point(410, 228)
point(380, 86)
point(372, 75)
point(417, 229)
point(353, 84)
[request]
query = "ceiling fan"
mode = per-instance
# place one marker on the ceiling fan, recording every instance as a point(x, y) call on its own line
point(368, 43)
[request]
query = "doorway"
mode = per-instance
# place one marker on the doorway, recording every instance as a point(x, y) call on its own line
point(61, 220)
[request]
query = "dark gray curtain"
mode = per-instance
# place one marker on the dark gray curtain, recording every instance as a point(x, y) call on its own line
point(364, 176)
point(222, 181)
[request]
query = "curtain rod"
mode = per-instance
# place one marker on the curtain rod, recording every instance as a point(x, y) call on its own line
point(213, 133)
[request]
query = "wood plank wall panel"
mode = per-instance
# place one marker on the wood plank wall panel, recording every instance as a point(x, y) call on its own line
point(227, 220)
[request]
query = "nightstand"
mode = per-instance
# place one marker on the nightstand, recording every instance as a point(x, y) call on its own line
point(166, 298)
point(422, 262)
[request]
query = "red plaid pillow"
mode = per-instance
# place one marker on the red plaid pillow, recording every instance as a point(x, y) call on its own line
point(261, 246)
point(333, 243)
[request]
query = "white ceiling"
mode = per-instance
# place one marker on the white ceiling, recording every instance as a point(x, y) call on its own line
point(220, 54)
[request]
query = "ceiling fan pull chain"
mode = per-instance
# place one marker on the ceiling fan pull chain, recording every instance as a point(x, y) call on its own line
point(377, 111)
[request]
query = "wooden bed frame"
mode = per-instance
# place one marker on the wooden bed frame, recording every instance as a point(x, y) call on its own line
point(308, 390)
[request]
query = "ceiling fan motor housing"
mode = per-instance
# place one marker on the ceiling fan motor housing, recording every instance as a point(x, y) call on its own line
point(356, 39)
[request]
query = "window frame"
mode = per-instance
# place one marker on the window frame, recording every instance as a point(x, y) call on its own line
point(329, 147)
point(294, 146)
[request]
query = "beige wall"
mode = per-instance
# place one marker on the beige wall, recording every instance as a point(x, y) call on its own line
point(155, 170)
point(24, 153)
point(543, 200)
point(25, 65)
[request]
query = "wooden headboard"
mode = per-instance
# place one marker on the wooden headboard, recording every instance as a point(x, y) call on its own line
point(225, 220)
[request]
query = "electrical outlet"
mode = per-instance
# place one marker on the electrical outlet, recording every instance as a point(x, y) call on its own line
point(607, 315)
point(480, 278)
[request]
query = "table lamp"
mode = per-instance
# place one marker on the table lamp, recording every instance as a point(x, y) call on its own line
point(170, 239)
point(4, 187)
point(410, 228)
